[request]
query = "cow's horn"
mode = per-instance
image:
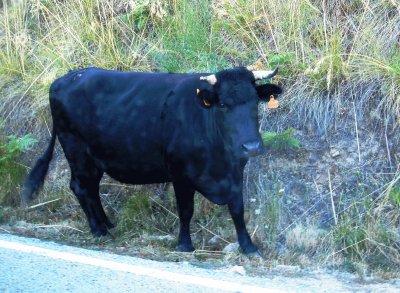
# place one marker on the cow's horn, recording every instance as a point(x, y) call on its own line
point(262, 74)
point(211, 79)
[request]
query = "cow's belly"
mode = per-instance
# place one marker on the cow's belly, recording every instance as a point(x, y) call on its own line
point(138, 176)
point(133, 168)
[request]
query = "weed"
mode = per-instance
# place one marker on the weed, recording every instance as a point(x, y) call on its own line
point(304, 239)
point(266, 214)
point(3, 213)
point(331, 68)
point(11, 169)
point(139, 17)
point(188, 41)
point(142, 214)
point(367, 236)
point(281, 141)
point(16, 43)
point(136, 214)
point(394, 196)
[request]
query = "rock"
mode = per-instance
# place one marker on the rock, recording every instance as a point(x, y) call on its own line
point(214, 240)
point(160, 238)
point(236, 270)
point(230, 248)
point(287, 269)
point(334, 153)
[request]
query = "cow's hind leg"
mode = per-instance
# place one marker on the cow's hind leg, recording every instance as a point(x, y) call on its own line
point(85, 179)
point(86, 189)
point(184, 194)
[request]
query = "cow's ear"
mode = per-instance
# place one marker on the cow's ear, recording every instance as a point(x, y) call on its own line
point(265, 91)
point(206, 97)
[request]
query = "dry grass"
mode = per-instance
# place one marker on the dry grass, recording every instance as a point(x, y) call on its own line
point(304, 238)
point(322, 45)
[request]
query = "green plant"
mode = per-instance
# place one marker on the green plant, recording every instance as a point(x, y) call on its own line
point(304, 239)
point(287, 63)
point(394, 196)
point(365, 234)
point(11, 170)
point(266, 214)
point(136, 214)
point(281, 141)
point(15, 44)
point(330, 68)
point(188, 41)
point(143, 214)
point(351, 237)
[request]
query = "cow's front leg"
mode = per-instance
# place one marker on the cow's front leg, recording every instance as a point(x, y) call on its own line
point(237, 213)
point(184, 194)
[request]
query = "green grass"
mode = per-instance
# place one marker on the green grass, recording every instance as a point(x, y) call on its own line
point(135, 215)
point(188, 41)
point(12, 170)
point(368, 236)
point(328, 43)
point(394, 196)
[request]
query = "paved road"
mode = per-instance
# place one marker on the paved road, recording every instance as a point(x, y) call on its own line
point(31, 265)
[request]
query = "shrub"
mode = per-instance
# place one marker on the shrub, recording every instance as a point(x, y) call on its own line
point(281, 141)
point(136, 214)
point(11, 169)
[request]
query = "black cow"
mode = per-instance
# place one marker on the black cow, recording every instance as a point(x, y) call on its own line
point(193, 130)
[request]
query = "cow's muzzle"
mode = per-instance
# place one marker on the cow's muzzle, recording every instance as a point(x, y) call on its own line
point(252, 148)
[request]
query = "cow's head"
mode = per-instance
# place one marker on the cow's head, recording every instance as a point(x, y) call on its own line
point(233, 96)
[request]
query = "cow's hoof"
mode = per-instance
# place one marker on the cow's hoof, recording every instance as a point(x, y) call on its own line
point(251, 251)
point(99, 231)
point(185, 248)
point(110, 225)
point(255, 254)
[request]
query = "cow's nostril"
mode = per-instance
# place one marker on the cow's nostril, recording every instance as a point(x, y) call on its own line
point(252, 147)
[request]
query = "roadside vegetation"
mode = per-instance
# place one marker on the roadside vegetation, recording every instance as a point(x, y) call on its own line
point(12, 169)
point(327, 193)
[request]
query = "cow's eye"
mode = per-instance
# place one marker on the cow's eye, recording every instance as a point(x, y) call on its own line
point(222, 105)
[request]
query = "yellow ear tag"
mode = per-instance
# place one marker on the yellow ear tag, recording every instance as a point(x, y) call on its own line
point(272, 103)
point(197, 91)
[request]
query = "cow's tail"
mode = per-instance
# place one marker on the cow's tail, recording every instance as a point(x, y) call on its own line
point(34, 181)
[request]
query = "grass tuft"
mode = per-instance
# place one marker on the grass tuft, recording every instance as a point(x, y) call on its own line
point(304, 239)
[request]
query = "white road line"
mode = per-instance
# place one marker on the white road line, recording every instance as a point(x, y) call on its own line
point(137, 270)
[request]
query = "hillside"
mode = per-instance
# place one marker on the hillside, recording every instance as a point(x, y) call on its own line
point(333, 199)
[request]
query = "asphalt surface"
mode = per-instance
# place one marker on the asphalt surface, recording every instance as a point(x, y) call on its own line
point(31, 265)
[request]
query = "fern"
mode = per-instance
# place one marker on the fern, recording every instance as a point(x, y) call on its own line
point(11, 170)
point(12, 147)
